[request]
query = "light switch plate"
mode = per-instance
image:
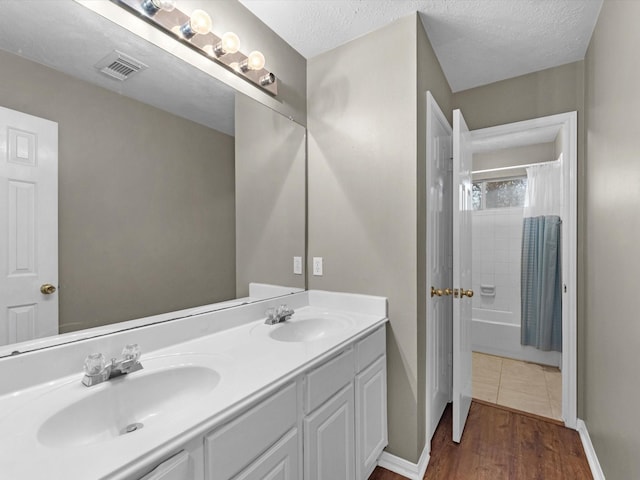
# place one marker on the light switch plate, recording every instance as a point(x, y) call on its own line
point(297, 265)
point(317, 266)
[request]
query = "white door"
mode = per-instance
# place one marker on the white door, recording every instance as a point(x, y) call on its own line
point(439, 258)
point(29, 209)
point(462, 209)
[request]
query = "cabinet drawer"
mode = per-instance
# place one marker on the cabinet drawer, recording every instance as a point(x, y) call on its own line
point(234, 446)
point(280, 462)
point(176, 468)
point(323, 382)
point(370, 348)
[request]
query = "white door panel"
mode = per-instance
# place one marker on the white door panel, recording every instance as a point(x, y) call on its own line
point(29, 209)
point(462, 281)
point(439, 274)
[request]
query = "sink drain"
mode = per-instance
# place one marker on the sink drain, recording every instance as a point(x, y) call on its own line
point(131, 428)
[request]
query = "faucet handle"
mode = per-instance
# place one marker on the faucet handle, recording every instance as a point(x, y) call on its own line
point(94, 364)
point(271, 313)
point(131, 352)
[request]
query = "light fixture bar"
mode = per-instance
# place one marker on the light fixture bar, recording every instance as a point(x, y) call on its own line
point(173, 22)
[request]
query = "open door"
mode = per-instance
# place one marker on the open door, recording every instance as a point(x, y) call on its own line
point(439, 280)
point(462, 208)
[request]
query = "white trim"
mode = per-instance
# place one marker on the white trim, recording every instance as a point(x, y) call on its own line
point(589, 451)
point(404, 467)
point(568, 124)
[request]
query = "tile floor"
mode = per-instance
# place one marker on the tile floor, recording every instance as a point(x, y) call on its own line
point(521, 385)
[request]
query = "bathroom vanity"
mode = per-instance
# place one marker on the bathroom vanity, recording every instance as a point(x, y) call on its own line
point(221, 395)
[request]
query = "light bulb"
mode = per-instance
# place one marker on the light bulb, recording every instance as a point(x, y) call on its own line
point(154, 6)
point(255, 61)
point(230, 42)
point(166, 5)
point(200, 22)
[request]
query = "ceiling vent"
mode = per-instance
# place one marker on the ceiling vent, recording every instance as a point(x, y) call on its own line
point(119, 66)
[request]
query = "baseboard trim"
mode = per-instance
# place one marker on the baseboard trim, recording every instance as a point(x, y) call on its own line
point(404, 467)
point(589, 451)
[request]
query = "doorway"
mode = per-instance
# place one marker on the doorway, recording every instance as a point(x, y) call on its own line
point(561, 130)
point(557, 136)
point(508, 370)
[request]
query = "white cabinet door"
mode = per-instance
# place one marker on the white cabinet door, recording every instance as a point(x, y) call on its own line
point(329, 439)
point(280, 462)
point(371, 417)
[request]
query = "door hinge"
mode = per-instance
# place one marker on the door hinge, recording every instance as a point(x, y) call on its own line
point(565, 288)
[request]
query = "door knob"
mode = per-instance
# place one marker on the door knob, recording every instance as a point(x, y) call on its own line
point(466, 293)
point(448, 291)
point(47, 289)
point(436, 292)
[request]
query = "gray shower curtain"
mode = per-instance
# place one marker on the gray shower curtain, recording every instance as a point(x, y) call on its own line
point(541, 275)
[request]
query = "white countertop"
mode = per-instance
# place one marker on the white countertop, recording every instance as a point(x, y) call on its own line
point(250, 364)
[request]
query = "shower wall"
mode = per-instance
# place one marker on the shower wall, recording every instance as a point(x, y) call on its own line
point(497, 243)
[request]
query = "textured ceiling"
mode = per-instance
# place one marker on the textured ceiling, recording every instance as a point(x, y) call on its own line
point(68, 37)
point(477, 41)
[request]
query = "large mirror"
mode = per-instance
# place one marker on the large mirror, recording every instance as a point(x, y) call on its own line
point(174, 192)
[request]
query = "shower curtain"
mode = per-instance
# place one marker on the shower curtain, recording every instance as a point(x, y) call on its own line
point(541, 275)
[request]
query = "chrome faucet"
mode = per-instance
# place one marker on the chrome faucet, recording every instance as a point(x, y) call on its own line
point(96, 370)
point(278, 315)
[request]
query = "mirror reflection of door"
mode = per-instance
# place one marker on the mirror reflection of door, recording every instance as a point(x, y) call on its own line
point(29, 196)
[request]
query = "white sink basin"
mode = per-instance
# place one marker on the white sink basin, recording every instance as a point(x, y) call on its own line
point(301, 328)
point(132, 402)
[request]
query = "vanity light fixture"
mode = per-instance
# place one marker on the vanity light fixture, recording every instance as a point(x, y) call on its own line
point(195, 31)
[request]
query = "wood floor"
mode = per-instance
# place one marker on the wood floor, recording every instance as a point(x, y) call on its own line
point(501, 444)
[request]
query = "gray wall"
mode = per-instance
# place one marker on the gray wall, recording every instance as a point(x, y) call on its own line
point(270, 196)
point(507, 157)
point(364, 214)
point(146, 200)
point(611, 326)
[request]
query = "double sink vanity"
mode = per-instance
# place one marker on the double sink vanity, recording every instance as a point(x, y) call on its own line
point(228, 394)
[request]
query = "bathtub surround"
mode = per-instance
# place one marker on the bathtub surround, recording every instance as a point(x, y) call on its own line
point(496, 327)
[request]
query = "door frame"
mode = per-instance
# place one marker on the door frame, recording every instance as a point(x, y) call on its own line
point(567, 124)
point(434, 114)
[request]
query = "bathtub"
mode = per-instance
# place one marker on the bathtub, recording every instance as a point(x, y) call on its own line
point(494, 334)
